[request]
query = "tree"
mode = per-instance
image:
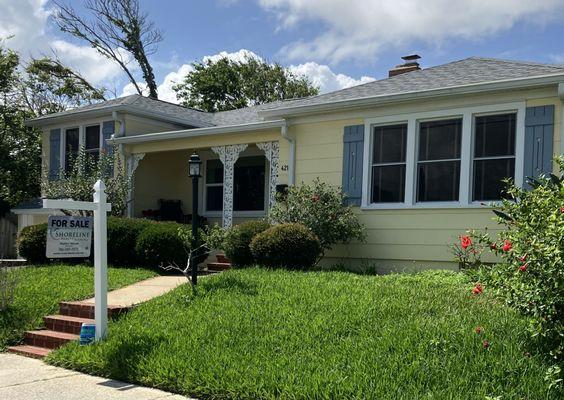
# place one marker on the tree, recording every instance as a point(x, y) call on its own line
point(49, 87)
point(227, 84)
point(112, 27)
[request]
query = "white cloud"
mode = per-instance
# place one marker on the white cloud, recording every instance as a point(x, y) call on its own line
point(327, 80)
point(359, 29)
point(27, 21)
point(238, 56)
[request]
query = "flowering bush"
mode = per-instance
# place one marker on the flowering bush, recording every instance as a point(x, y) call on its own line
point(531, 247)
point(320, 207)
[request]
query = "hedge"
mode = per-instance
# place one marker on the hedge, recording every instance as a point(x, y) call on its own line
point(237, 241)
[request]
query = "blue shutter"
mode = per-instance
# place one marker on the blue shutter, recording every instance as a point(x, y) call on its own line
point(539, 131)
point(108, 128)
point(353, 150)
point(54, 154)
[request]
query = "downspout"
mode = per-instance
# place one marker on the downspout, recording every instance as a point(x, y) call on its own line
point(561, 96)
point(119, 118)
point(292, 155)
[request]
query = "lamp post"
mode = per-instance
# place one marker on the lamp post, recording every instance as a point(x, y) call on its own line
point(194, 167)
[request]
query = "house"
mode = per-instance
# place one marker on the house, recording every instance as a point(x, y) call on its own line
point(419, 153)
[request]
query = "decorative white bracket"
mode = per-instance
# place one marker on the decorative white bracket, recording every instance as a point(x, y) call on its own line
point(272, 154)
point(132, 164)
point(228, 156)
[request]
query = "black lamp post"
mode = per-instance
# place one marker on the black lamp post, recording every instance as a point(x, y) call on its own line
point(194, 167)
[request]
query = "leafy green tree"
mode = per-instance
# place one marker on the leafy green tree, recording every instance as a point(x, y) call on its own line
point(228, 85)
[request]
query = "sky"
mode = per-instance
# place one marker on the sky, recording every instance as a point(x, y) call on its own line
point(335, 43)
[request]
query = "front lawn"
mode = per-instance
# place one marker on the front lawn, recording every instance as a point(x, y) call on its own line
point(254, 333)
point(40, 289)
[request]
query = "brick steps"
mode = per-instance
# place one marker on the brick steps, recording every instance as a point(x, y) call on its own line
point(222, 264)
point(29, 351)
point(61, 328)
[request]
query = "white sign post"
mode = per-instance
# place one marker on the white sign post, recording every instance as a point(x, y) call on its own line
point(100, 208)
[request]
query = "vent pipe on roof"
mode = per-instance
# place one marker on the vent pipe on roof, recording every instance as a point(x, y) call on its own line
point(410, 64)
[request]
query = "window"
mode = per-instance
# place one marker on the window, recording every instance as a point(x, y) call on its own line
point(388, 164)
point(248, 185)
point(92, 141)
point(438, 164)
point(72, 141)
point(494, 155)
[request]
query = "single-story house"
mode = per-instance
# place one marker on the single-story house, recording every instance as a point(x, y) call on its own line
point(419, 153)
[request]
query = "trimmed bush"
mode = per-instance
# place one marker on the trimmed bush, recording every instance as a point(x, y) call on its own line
point(237, 241)
point(122, 239)
point(290, 245)
point(162, 244)
point(32, 243)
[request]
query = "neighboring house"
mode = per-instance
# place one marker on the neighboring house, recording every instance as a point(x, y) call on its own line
point(419, 153)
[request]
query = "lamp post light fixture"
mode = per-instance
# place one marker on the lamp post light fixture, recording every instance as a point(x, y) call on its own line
point(194, 170)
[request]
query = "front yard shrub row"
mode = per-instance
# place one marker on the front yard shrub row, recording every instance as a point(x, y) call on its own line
point(286, 245)
point(131, 242)
point(238, 239)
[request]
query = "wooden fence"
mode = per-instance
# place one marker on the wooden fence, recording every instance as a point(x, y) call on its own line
point(8, 233)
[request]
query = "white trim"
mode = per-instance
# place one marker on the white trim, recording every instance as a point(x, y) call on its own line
point(197, 132)
point(466, 161)
point(499, 85)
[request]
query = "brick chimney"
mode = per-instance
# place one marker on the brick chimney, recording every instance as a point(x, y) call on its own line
point(410, 64)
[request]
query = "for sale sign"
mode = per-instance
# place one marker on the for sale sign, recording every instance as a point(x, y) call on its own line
point(69, 237)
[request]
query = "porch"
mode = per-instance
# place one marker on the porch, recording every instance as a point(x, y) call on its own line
point(238, 182)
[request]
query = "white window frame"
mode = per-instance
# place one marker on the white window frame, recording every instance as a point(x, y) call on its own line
point(81, 138)
point(466, 156)
point(241, 214)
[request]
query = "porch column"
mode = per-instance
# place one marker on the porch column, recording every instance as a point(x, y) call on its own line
point(132, 164)
point(272, 154)
point(228, 156)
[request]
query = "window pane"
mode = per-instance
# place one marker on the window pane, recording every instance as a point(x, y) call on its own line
point(71, 147)
point(495, 136)
point(214, 198)
point(92, 137)
point(388, 184)
point(488, 176)
point(389, 144)
point(249, 181)
point(214, 171)
point(438, 181)
point(440, 140)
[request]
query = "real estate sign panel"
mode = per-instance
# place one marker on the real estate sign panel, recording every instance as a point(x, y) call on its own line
point(69, 237)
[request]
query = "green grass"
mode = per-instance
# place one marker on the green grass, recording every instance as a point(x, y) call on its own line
point(39, 290)
point(258, 334)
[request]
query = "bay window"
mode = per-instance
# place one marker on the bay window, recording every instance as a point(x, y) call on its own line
point(438, 164)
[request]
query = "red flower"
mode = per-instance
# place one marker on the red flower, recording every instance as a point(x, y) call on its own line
point(478, 289)
point(486, 344)
point(465, 241)
point(479, 330)
point(506, 245)
point(315, 198)
point(523, 268)
point(523, 258)
point(493, 246)
point(561, 210)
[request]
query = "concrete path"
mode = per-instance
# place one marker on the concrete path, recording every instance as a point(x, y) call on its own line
point(142, 291)
point(24, 378)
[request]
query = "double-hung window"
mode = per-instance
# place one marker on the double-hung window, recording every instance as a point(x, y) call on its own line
point(388, 163)
point(72, 143)
point(438, 163)
point(494, 155)
point(92, 141)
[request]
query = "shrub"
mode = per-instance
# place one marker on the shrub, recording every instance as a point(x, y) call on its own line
point(32, 242)
point(320, 207)
point(286, 245)
point(531, 274)
point(122, 238)
point(161, 244)
point(237, 240)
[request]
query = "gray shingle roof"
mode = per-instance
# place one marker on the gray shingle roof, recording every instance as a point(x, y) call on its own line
point(471, 70)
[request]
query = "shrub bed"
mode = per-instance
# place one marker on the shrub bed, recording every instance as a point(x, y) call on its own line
point(161, 244)
point(122, 239)
point(32, 242)
point(237, 240)
point(286, 245)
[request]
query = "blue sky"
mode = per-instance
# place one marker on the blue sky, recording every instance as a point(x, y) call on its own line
point(336, 43)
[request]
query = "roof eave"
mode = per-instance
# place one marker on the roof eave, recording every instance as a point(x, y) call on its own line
point(510, 84)
point(190, 133)
point(47, 120)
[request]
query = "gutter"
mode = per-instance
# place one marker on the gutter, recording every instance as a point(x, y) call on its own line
point(197, 132)
point(508, 84)
point(292, 155)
